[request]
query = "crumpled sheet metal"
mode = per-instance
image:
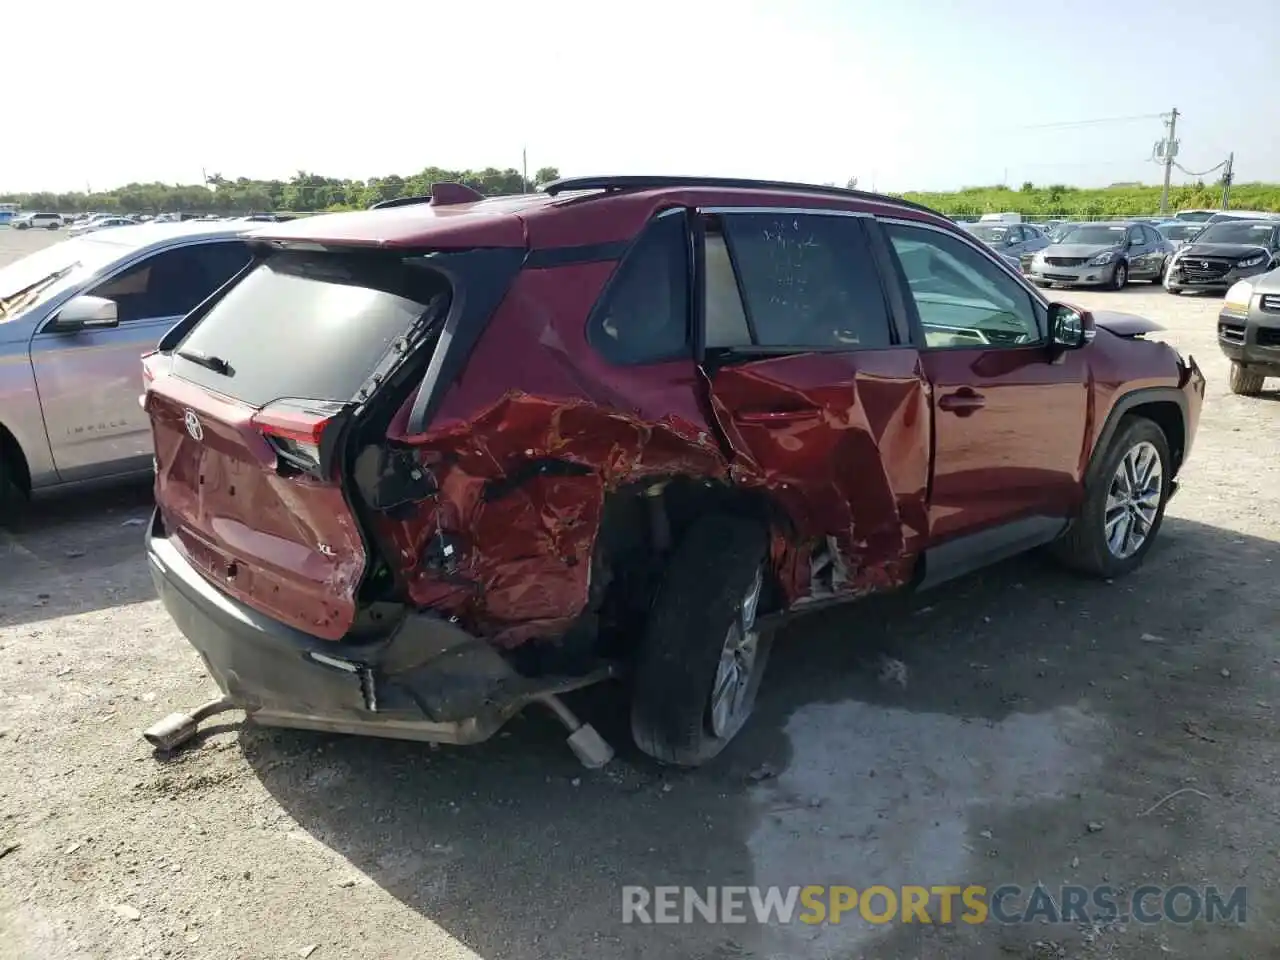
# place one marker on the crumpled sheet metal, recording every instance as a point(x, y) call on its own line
point(526, 550)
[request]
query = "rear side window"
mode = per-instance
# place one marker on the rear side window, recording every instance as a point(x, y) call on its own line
point(807, 280)
point(643, 316)
point(309, 326)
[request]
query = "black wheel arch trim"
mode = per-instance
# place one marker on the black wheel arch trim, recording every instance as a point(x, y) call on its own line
point(1126, 404)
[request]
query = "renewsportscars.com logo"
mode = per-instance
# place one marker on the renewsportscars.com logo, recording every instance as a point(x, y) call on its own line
point(971, 904)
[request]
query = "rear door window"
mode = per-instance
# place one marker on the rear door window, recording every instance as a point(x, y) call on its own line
point(807, 281)
point(310, 326)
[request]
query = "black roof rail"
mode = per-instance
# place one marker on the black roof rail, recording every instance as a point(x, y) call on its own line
point(399, 202)
point(443, 193)
point(616, 184)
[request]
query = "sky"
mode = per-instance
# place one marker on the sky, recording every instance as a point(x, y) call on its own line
point(904, 94)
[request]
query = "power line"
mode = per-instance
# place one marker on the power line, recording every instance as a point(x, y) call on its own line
point(1204, 173)
point(1088, 123)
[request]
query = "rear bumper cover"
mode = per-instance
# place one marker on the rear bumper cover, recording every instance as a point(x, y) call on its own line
point(426, 680)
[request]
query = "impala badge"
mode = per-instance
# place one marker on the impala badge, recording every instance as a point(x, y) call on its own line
point(193, 425)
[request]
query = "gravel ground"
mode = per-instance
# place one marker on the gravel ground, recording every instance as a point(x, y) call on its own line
point(1042, 717)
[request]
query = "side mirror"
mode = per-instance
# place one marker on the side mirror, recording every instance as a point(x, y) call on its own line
point(86, 312)
point(1070, 328)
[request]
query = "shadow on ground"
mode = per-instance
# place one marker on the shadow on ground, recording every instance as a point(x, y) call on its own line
point(1025, 690)
point(75, 553)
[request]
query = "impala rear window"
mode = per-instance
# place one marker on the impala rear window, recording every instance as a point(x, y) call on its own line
point(309, 326)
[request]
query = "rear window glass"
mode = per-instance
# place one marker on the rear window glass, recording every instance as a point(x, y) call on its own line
point(311, 327)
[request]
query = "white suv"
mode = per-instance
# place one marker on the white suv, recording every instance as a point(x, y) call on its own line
point(50, 221)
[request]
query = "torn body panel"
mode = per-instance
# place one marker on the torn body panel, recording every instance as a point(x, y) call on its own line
point(841, 441)
point(524, 455)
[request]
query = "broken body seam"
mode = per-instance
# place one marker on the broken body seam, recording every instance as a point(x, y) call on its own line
point(539, 588)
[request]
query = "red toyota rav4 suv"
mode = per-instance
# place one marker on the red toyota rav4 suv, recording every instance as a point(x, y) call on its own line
point(419, 467)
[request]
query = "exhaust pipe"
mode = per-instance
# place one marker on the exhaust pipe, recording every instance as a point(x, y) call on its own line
point(591, 749)
point(177, 728)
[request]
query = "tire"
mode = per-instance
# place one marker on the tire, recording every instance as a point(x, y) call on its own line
point(52, 226)
point(1042, 284)
point(1245, 382)
point(699, 606)
point(23, 226)
point(1176, 291)
point(10, 494)
point(1121, 276)
point(1158, 279)
point(1085, 547)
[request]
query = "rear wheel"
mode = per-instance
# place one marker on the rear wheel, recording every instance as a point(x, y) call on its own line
point(702, 656)
point(51, 226)
point(1120, 277)
point(22, 226)
point(1123, 505)
point(1158, 279)
point(1245, 382)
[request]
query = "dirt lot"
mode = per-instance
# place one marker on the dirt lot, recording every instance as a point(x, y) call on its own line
point(1043, 716)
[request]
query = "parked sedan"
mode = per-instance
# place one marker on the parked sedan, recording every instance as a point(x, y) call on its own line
point(1178, 232)
point(1017, 240)
point(100, 223)
point(74, 320)
point(1102, 255)
point(1224, 253)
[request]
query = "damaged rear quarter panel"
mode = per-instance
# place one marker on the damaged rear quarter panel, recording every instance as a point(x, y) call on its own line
point(533, 395)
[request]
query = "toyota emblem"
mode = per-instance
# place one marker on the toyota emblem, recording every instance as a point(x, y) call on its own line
point(1204, 264)
point(193, 425)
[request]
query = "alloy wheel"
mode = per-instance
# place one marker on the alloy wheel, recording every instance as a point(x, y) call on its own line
point(1121, 276)
point(737, 664)
point(1133, 500)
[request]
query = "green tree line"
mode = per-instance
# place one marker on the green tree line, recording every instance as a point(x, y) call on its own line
point(306, 192)
point(303, 192)
point(1119, 200)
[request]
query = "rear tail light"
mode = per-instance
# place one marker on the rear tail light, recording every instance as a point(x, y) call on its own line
point(297, 430)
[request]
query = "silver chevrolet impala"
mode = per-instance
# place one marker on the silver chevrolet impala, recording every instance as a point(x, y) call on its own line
point(75, 319)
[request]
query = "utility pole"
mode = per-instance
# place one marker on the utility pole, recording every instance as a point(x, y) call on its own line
point(1226, 180)
point(524, 169)
point(1169, 150)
